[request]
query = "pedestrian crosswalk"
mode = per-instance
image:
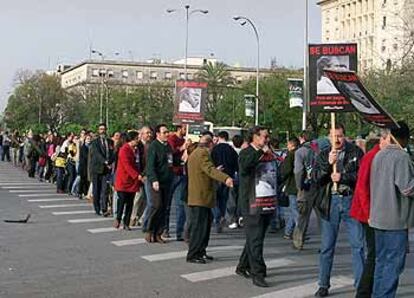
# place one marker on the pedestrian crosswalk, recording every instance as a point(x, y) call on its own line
point(73, 212)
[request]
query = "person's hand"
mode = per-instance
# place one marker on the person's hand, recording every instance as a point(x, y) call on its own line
point(229, 182)
point(156, 185)
point(332, 157)
point(336, 177)
point(220, 168)
point(140, 178)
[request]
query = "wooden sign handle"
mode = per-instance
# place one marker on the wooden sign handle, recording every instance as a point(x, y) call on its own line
point(333, 126)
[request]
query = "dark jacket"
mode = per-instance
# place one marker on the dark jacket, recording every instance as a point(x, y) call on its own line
point(288, 176)
point(224, 155)
point(159, 163)
point(83, 161)
point(98, 161)
point(348, 171)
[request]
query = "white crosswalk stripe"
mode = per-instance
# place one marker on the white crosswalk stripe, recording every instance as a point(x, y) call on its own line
point(305, 290)
point(182, 254)
point(64, 206)
point(30, 187)
point(33, 190)
point(74, 212)
point(229, 271)
point(108, 230)
point(6, 183)
point(42, 195)
point(52, 200)
point(128, 242)
point(86, 220)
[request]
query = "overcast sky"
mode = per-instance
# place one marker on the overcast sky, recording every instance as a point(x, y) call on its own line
point(39, 34)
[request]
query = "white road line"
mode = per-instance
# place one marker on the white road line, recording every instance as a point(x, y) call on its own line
point(30, 187)
point(5, 183)
point(107, 230)
point(305, 290)
point(64, 205)
point(42, 195)
point(33, 190)
point(182, 254)
point(52, 200)
point(86, 220)
point(229, 271)
point(74, 212)
point(128, 242)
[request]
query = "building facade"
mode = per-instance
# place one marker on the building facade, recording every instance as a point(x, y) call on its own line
point(383, 29)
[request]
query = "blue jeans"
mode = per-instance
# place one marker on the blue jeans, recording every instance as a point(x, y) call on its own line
point(147, 190)
point(390, 249)
point(339, 211)
point(179, 194)
point(292, 215)
point(222, 197)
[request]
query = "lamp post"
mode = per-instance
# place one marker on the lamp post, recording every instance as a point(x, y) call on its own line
point(306, 67)
point(188, 13)
point(102, 75)
point(244, 21)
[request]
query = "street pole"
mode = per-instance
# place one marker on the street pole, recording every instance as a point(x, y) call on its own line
point(306, 68)
point(244, 21)
point(40, 109)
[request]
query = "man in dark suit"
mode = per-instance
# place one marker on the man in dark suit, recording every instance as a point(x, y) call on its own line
point(101, 157)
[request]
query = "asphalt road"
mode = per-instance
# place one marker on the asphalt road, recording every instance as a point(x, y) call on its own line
point(64, 252)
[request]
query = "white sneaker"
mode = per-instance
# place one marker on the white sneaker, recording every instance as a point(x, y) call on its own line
point(241, 222)
point(233, 226)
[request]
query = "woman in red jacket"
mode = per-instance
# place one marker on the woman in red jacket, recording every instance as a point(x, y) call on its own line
point(127, 179)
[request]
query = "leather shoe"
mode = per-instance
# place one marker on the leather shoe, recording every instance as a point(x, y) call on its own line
point(322, 292)
point(243, 272)
point(207, 257)
point(196, 261)
point(116, 224)
point(260, 282)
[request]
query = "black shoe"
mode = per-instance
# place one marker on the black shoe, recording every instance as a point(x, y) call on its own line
point(322, 292)
point(242, 272)
point(207, 257)
point(197, 261)
point(260, 282)
point(180, 239)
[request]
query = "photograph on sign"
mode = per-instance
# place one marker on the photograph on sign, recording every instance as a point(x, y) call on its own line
point(350, 86)
point(190, 99)
point(324, 96)
point(295, 93)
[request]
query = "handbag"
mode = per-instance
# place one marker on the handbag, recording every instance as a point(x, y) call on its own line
point(60, 162)
point(283, 198)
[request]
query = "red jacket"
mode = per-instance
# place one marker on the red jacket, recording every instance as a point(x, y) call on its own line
point(126, 176)
point(361, 200)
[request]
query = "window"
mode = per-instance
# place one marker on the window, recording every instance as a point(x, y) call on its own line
point(110, 73)
point(95, 72)
point(383, 49)
point(384, 22)
point(153, 75)
point(190, 76)
point(239, 79)
point(140, 75)
point(395, 46)
point(168, 75)
point(125, 74)
point(102, 72)
point(182, 76)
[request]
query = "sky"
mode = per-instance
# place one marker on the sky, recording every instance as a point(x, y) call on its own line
point(39, 34)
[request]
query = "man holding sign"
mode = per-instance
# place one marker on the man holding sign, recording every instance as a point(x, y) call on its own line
point(339, 184)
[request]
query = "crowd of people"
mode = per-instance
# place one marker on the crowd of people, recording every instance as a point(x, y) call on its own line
point(247, 182)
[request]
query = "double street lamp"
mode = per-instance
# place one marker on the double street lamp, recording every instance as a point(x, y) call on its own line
point(188, 13)
point(243, 21)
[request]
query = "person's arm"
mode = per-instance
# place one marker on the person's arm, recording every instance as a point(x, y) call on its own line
point(128, 161)
point(323, 168)
point(210, 170)
point(404, 176)
point(151, 164)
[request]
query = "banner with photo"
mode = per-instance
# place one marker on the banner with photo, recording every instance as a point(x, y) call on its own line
point(295, 93)
point(190, 100)
point(249, 105)
point(324, 96)
point(351, 87)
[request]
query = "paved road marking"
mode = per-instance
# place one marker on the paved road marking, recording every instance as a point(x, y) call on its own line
point(182, 254)
point(30, 187)
point(74, 212)
point(229, 271)
point(6, 183)
point(64, 205)
point(107, 230)
point(51, 200)
point(307, 289)
point(128, 242)
point(42, 195)
point(33, 190)
point(85, 220)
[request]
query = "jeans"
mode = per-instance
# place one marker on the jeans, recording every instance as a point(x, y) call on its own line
point(219, 211)
point(340, 207)
point(391, 250)
point(71, 176)
point(75, 187)
point(147, 189)
point(179, 193)
point(292, 215)
point(367, 280)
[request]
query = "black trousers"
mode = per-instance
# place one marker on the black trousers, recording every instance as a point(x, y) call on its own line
point(367, 279)
point(5, 153)
point(199, 229)
point(71, 176)
point(157, 213)
point(99, 190)
point(251, 259)
point(125, 200)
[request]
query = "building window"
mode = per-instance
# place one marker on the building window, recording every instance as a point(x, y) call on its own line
point(395, 46)
point(168, 75)
point(239, 79)
point(140, 75)
point(153, 75)
point(383, 49)
point(110, 74)
point(182, 76)
point(190, 76)
point(384, 22)
point(95, 72)
point(125, 74)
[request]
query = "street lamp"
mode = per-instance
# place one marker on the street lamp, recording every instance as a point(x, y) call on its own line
point(306, 94)
point(188, 13)
point(243, 21)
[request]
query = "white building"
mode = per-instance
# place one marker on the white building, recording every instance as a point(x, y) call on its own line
point(383, 29)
